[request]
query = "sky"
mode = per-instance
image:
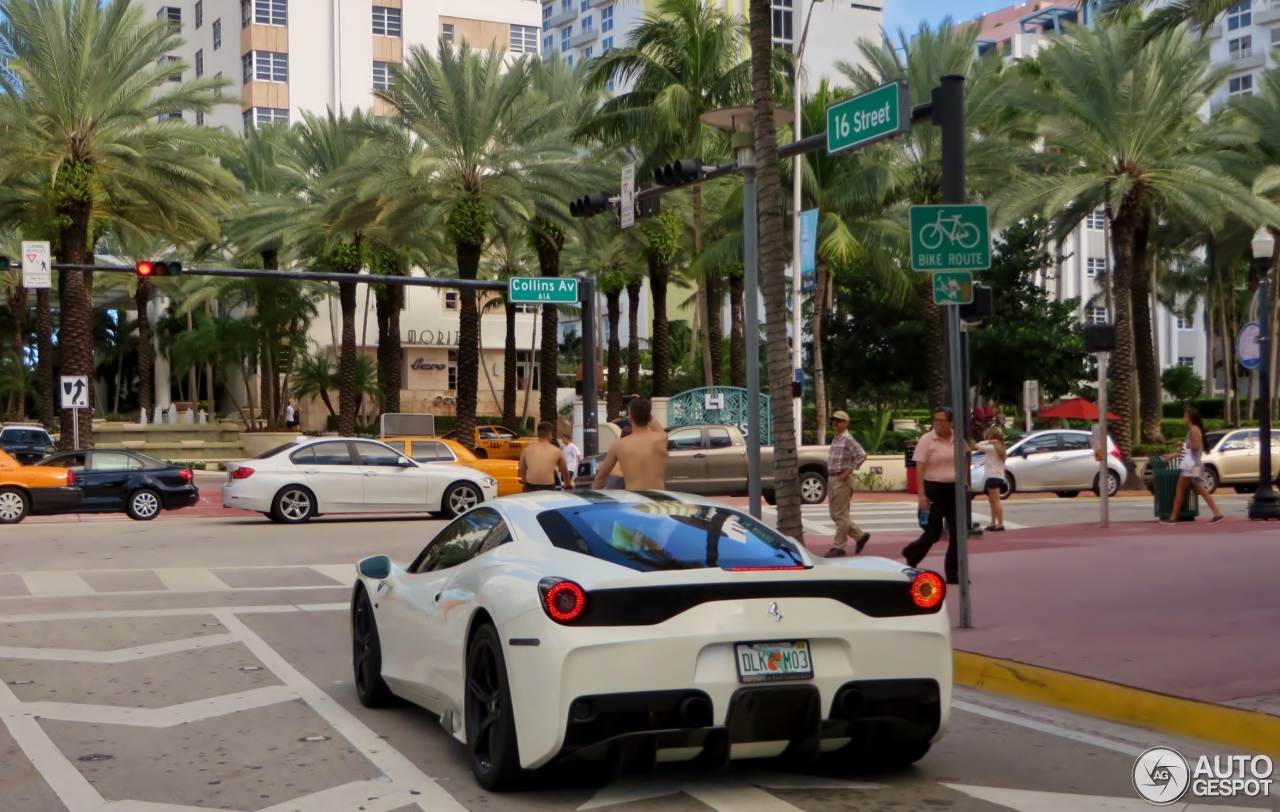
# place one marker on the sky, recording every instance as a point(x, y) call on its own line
point(907, 14)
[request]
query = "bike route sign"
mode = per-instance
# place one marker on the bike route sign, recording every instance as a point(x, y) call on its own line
point(950, 238)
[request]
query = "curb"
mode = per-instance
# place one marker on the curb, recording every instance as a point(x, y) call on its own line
point(1251, 731)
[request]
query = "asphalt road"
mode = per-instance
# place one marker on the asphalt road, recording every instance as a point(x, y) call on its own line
point(178, 665)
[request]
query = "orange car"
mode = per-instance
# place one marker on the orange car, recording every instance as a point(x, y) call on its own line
point(438, 449)
point(35, 489)
point(494, 442)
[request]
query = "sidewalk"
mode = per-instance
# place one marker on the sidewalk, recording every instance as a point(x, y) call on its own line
point(1190, 611)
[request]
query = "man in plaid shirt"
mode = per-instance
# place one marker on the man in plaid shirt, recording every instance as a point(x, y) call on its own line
point(846, 456)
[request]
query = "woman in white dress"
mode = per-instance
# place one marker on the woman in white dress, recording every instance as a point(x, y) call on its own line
point(1191, 468)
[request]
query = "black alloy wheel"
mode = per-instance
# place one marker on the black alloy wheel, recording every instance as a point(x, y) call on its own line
point(366, 656)
point(490, 722)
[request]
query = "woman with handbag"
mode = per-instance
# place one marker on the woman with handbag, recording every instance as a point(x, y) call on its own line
point(1191, 468)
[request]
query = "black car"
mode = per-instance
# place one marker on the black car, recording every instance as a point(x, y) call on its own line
point(26, 444)
point(114, 481)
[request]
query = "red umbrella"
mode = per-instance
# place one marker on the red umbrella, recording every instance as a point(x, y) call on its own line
point(1074, 409)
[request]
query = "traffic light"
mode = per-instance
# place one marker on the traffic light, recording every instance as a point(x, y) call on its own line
point(157, 267)
point(590, 205)
point(679, 173)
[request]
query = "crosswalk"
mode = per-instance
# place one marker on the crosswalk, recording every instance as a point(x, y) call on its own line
point(69, 584)
point(881, 518)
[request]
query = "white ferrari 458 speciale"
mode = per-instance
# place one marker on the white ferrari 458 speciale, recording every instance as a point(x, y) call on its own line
point(644, 627)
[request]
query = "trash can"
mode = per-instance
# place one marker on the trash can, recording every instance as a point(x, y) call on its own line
point(1164, 487)
point(913, 483)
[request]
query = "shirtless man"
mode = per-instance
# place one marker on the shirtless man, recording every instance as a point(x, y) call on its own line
point(540, 461)
point(643, 453)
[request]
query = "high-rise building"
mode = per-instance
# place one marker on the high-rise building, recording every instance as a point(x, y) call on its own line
point(288, 56)
point(582, 29)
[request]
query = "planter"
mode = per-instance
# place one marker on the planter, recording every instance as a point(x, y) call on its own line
point(259, 442)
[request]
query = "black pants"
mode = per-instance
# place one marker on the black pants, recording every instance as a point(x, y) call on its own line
point(942, 498)
point(531, 488)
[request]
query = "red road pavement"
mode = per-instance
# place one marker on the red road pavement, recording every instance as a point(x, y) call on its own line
point(1192, 610)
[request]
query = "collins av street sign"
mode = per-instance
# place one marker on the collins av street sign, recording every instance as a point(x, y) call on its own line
point(542, 290)
point(950, 238)
point(873, 116)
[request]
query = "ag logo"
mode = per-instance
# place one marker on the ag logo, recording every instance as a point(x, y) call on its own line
point(1161, 775)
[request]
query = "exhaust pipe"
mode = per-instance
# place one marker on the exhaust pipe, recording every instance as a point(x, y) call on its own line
point(851, 702)
point(695, 711)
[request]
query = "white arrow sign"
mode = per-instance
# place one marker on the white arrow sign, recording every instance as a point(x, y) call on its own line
point(75, 392)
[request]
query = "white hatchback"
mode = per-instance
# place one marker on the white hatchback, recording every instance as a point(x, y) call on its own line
point(1057, 461)
point(315, 476)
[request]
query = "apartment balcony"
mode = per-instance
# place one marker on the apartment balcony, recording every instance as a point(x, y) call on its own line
point(1267, 16)
point(1214, 31)
point(584, 38)
point(599, 3)
point(560, 18)
point(1247, 59)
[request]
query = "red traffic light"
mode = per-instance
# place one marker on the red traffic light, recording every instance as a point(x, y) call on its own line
point(144, 267)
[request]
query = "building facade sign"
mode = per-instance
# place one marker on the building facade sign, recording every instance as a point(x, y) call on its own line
point(432, 338)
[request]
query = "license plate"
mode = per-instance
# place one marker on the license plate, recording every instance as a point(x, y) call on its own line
point(774, 662)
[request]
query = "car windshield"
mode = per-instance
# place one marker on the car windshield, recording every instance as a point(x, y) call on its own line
point(659, 536)
point(1211, 439)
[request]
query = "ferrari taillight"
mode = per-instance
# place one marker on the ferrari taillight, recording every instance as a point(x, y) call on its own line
point(564, 601)
point(242, 473)
point(927, 590)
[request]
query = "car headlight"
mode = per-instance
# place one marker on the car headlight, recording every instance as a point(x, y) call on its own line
point(490, 482)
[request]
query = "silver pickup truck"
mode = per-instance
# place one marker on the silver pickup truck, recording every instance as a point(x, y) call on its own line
point(712, 460)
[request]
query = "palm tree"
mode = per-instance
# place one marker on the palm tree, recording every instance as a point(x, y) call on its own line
point(662, 234)
point(575, 103)
point(109, 156)
point(1121, 131)
point(686, 58)
point(266, 165)
point(489, 156)
point(633, 335)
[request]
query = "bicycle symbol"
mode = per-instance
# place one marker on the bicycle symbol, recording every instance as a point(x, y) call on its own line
point(963, 234)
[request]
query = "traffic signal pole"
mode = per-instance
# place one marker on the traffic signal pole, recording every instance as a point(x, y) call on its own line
point(948, 115)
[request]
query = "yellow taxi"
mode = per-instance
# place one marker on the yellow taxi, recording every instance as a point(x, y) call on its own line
point(439, 449)
point(494, 442)
point(35, 489)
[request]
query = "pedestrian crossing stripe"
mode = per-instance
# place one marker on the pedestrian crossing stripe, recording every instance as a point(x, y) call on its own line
point(71, 584)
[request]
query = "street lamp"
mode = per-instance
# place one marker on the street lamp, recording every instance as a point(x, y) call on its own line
point(739, 122)
point(797, 349)
point(1265, 504)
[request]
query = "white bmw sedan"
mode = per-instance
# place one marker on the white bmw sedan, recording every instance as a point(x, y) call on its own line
point(312, 477)
point(631, 628)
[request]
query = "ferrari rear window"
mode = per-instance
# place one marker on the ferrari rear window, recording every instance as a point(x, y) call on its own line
point(668, 536)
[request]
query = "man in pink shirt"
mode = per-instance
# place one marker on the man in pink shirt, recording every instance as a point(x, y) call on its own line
point(935, 459)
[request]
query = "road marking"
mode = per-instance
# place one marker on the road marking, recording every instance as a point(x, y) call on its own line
point(392, 762)
point(1043, 727)
point(204, 610)
point(1025, 800)
point(724, 794)
point(191, 580)
point(121, 655)
point(195, 711)
point(342, 573)
point(56, 584)
point(72, 788)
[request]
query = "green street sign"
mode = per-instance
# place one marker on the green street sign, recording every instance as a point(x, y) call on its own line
point(950, 238)
point(873, 116)
point(542, 290)
point(953, 288)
